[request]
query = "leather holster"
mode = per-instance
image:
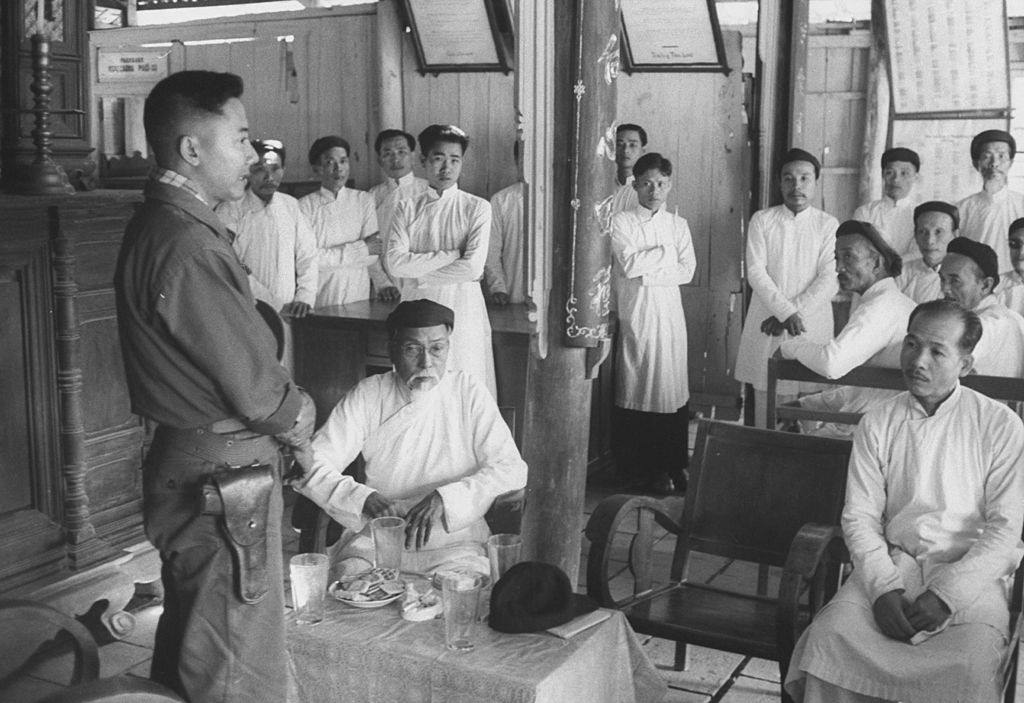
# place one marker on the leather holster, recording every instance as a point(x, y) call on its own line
point(242, 497)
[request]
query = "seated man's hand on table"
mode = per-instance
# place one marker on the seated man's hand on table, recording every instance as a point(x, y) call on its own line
point(891, 610)
point(388, 294)
point(928, 612)
point(421, 518)
point(377, 505)
point(296, 308)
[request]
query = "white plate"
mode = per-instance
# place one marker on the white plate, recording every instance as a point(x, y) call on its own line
point(375, 603)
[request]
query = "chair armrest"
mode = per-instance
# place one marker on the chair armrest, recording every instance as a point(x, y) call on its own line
point(814, 558)
point(602, 527)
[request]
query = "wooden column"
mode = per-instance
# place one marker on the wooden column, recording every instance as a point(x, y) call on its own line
point(390, 114)
point(580, 90)
point(876, 112)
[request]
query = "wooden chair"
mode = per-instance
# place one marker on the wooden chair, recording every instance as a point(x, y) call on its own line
point(997, 387)
point(85, 685)
point(754, 495)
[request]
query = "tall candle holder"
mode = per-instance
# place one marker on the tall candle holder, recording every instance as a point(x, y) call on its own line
point(43, 176)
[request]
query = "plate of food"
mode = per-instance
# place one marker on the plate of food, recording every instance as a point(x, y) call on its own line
point(369, 589)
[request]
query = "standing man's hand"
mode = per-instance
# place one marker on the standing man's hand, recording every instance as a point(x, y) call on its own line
point(374, 244)
point(388, 294)
point(421, 520)
point(296, 308)
point(771, 326)
point(499, 298)
point(795, 325)
point(377, 505)
point(890, 610)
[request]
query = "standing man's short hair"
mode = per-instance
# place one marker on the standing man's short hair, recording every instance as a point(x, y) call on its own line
point(326, 144)
point(180, 98)
point(653, 160)
point(387, 134)
point(630, 127)
point(442, 133)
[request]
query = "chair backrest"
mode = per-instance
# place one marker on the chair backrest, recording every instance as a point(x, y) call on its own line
point(750, 491)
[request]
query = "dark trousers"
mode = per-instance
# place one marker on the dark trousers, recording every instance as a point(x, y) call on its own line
point(650, 446)
point(210, 646)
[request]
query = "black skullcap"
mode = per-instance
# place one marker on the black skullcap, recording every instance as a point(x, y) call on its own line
point(1016, 225)
point(992, 135)
point(901, 154)
point(893, 261)
point(801, 155)
point(325, 144)
point(265, 146)
point(981, 254)
point(533, 596)
point(939, 206)
point(410, 314)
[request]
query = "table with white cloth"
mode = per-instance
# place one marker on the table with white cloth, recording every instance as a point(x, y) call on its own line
point(374, 655)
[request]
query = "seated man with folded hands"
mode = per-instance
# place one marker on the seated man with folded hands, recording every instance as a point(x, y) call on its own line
point(437, 451)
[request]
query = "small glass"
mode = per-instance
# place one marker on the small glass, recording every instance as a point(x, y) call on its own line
point(461, 596)
point(503, 551)
point(388, 542)
point(308, 574)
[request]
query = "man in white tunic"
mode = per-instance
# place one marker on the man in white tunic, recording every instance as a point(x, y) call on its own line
point(503, 273)
point(934, 506)
point(652, 256)
point(790, 265)
point(969, 275)
point(436, 448)
point(986, 216)
point(344, 221)
point(893, 213)
point(935, 225)
point(630, 144)
point(1011, 286)
point(437, 247)
point(273, 240)
point(395, 149)
point(865, 265)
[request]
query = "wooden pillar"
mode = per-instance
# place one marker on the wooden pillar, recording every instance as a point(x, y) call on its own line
point(389, 62)
point(876, 112)
point(581, 80)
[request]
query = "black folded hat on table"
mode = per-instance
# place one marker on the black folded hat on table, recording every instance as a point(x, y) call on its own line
point(534, 596)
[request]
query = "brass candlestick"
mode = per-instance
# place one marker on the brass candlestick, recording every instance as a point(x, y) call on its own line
point(43, 176)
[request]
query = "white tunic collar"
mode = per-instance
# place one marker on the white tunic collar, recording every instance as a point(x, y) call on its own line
point(446, 194)
point(945, 407)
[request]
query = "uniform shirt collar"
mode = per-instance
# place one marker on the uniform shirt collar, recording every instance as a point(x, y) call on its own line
point(173, 178)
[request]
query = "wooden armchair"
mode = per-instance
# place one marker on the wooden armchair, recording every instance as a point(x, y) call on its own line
point(755, 495)
point(35, 621)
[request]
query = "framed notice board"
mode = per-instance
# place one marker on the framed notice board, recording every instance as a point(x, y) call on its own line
point(460, 35)
point(672, 35)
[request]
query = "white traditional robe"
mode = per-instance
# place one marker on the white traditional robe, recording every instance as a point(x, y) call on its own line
point(340, 224)
point(895, 220)
point(1000, 351)
point(931, 503)
point(652, 256)
point(624, 198)
point(437, 246)
point(986, 218)
point(451, 439)
point(275, 241)
point(503, 272)
point(790, 266)
point(1011, 291)
point(385, 197)
point(919, 281)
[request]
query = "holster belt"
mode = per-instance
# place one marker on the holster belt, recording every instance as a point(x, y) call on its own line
point(232, 449)
point(242, 497)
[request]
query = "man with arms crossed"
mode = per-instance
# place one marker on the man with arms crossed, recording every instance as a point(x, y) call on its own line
point(934, 506)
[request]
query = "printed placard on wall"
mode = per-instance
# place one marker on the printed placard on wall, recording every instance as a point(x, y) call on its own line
point(672, 35)
point(131, 66)
point(458, 35)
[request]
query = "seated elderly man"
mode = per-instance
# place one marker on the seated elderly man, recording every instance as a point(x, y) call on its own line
point(934, 506)
point(936, 224)
point(865, 265)
point(970, 274)
point(437, 451)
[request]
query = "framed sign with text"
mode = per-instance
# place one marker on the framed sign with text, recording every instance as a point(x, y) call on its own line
point(460, 35)
point(672, 35)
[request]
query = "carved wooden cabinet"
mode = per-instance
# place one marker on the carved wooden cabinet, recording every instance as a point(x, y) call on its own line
point(70, 448)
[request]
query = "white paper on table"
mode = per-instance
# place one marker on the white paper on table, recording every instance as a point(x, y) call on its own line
point(579, 624)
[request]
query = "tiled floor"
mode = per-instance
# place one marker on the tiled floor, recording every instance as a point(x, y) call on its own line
point(711, 676)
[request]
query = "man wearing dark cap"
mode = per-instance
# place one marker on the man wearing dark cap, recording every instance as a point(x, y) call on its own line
point(970, 274)
point(986, 216)
point(893, 213)
point(274, 240)
point(790, 262)
point(437, 249)
point(935, 225)
point(437, 451)
point(344, 221)
point(1011, 285)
